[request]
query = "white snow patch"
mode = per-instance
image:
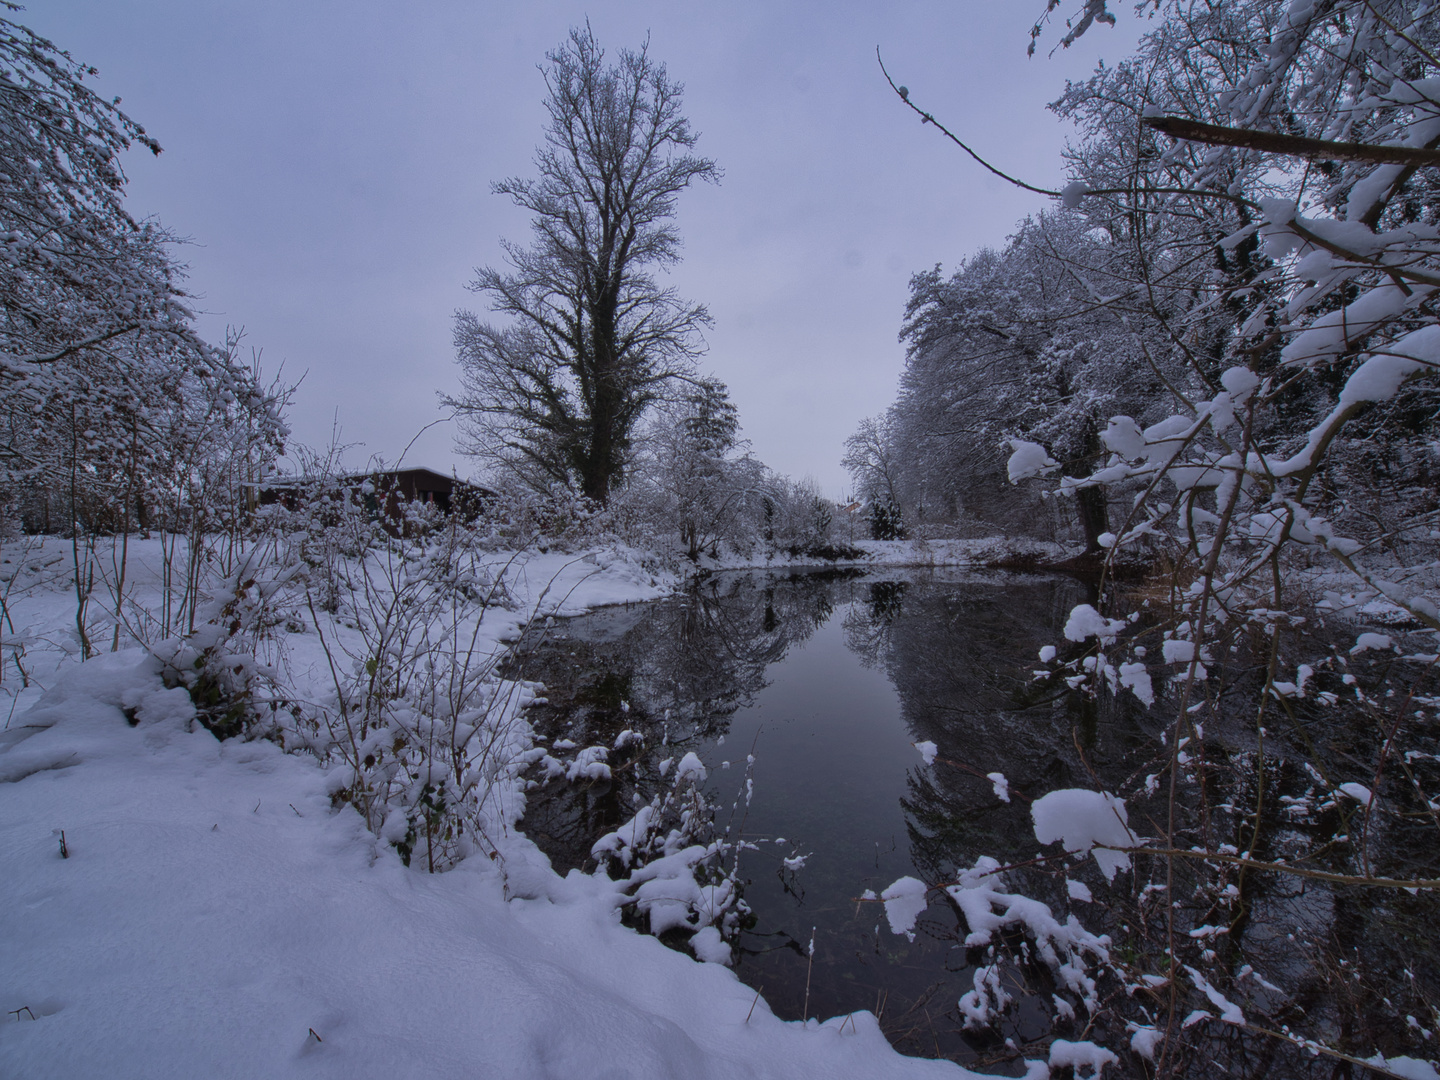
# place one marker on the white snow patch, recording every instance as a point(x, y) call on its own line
point(1365, 642)
point(1072, 193)
point(1408, 1067)
point(707, 944)
point(1136, 679)
point(1086, 622)
point(1229, 1011)
point(1083, 819)
point(1144, 1040)
point(690, 768)
point(1178, 652)
point(1028, 459)
point(904, 901)
point(1359, 792)
point(1123, 436)
point(1080, 1055)
point(1000, 784)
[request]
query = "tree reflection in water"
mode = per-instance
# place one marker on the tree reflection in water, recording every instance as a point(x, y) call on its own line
point(838, 776)
point(674, 671)
point(685, 673)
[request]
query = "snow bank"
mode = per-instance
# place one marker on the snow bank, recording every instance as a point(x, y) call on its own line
point(977, 552)
point(215, 917)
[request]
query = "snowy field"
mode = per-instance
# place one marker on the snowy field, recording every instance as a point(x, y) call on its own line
point(182, 907)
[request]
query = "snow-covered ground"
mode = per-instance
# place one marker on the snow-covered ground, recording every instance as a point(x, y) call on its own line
point(211, 915)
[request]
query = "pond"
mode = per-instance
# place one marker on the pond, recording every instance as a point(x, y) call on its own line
point(828, 680)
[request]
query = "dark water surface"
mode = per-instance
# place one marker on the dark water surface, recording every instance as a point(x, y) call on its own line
point(829, 680)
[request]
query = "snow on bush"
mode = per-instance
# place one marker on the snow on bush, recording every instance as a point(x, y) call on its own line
point(1028, 459)
point(1082, 820)
point(1067, 949)
point(668, 870)
point(1086, 1058)
point(1086, 622)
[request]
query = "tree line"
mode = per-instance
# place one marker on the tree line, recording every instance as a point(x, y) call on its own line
point(1255, 170)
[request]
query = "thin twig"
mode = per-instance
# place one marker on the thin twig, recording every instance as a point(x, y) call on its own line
point(809, 966)
point(754, 1003)
point(929, 119)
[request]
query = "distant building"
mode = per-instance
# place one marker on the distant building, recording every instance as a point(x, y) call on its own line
point(381, 490)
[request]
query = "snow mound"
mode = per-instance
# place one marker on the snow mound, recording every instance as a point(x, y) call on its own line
point(1083, 819)
point(215, 910)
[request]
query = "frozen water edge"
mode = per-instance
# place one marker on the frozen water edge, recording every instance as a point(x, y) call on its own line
point(905, 553)
point(215, 917)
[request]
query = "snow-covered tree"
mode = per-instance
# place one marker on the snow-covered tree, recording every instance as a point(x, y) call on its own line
point(591, 340)
point(104, 385)
point(1244, 311)
point(696, 477)
point(97, 351)
point(1014, 345)
point(871, 458)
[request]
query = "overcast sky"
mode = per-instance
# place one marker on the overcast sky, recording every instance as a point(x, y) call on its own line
point(331, 162)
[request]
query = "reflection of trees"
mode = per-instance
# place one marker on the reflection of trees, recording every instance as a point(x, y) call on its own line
point(704, 655)
point(961, 656)
point(1343, 958)
point(673, 671)
point(867, 624)
point(961, 660)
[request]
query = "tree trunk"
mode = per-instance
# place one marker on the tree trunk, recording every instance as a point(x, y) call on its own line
point(1091, 505)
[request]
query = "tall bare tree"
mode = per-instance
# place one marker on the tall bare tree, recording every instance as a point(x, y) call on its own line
point(590, 339)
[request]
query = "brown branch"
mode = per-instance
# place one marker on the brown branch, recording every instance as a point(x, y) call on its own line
point(1272, 142)
point(904, 95)
point(1282, 868)
point(96, 339)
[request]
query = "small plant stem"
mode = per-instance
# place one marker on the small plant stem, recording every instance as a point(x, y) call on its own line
point(809, 967)
point(754, 1003)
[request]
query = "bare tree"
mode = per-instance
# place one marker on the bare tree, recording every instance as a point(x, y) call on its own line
point(591, 339)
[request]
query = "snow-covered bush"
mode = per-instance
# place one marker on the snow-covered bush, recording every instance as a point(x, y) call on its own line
point(517, 517)
point(672, 867)
point(796, 518)
point(419, 727)
point(222, 663)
